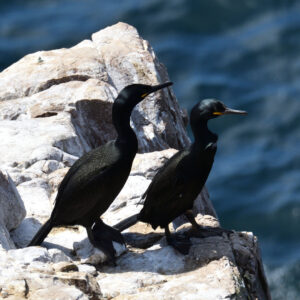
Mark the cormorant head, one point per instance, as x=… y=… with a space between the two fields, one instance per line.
x=132 y=94
x=211 y=108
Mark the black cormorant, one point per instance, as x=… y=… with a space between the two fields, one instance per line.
x=179 y=181
x=95 y=180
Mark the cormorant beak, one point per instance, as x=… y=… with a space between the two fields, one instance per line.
x=155 y=88
x=234 y=112
x=230 y=111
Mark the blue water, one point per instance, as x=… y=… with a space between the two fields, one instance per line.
x=246 y=53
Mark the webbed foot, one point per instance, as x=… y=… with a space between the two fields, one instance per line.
x=102 y=237
x=181 y=243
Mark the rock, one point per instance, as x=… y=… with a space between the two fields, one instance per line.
x=30 y=284
x=208 y=272
x=65 y=267
x=88 y=254
x=32 y=273
x=29 y=254
x=57 y=255
x=52 y=292
x=12 y=210
x=146 y=165
x=85 y=268
x=81 y=91
x=35 y=194
x=5 y=239
x=55 y=106
x=248 y=258
x=23 y=234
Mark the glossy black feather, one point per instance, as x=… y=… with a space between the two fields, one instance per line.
x=91 y=187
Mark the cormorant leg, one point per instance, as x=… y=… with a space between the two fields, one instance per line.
x=108 y=251
x=181 y=244
x=200 y=231
x=102 y=230
x=102 y=237
x=190 y=217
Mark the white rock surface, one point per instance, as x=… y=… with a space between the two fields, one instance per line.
x=55 y=106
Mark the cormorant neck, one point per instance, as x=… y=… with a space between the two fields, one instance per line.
x=203 y=136
x=121 y=120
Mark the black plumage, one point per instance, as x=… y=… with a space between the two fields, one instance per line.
x=95 y=180
x=177 y=184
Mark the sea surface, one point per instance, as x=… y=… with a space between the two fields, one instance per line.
x=246 y=53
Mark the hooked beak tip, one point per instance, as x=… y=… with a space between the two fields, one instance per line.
x=234 y=112
x=161 y=86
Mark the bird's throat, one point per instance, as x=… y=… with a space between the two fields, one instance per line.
x=121 y=121
x=203 y=136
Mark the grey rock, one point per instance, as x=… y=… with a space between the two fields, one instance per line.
x=85 y=268
x=12 y=210
x=35 y=194
x=5 y=239
x=57 y=255
x=45 y=283
x=22 y=235
x=29 y=254
x=53 y=293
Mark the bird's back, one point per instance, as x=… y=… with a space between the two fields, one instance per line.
x=91 y=185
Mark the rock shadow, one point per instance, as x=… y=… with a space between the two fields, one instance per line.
x=68 y=251
x=140 y=240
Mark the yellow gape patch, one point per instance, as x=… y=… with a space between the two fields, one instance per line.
x=144 y=95
x=217 y=113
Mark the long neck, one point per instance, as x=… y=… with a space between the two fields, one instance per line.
x=203 y=136
x=121 y=120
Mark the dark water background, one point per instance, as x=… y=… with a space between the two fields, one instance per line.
x=246 y=53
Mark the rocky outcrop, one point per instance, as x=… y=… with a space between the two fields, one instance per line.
x=55 y=106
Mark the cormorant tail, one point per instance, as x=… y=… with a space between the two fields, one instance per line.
x=130 y=221
x=41 y=234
